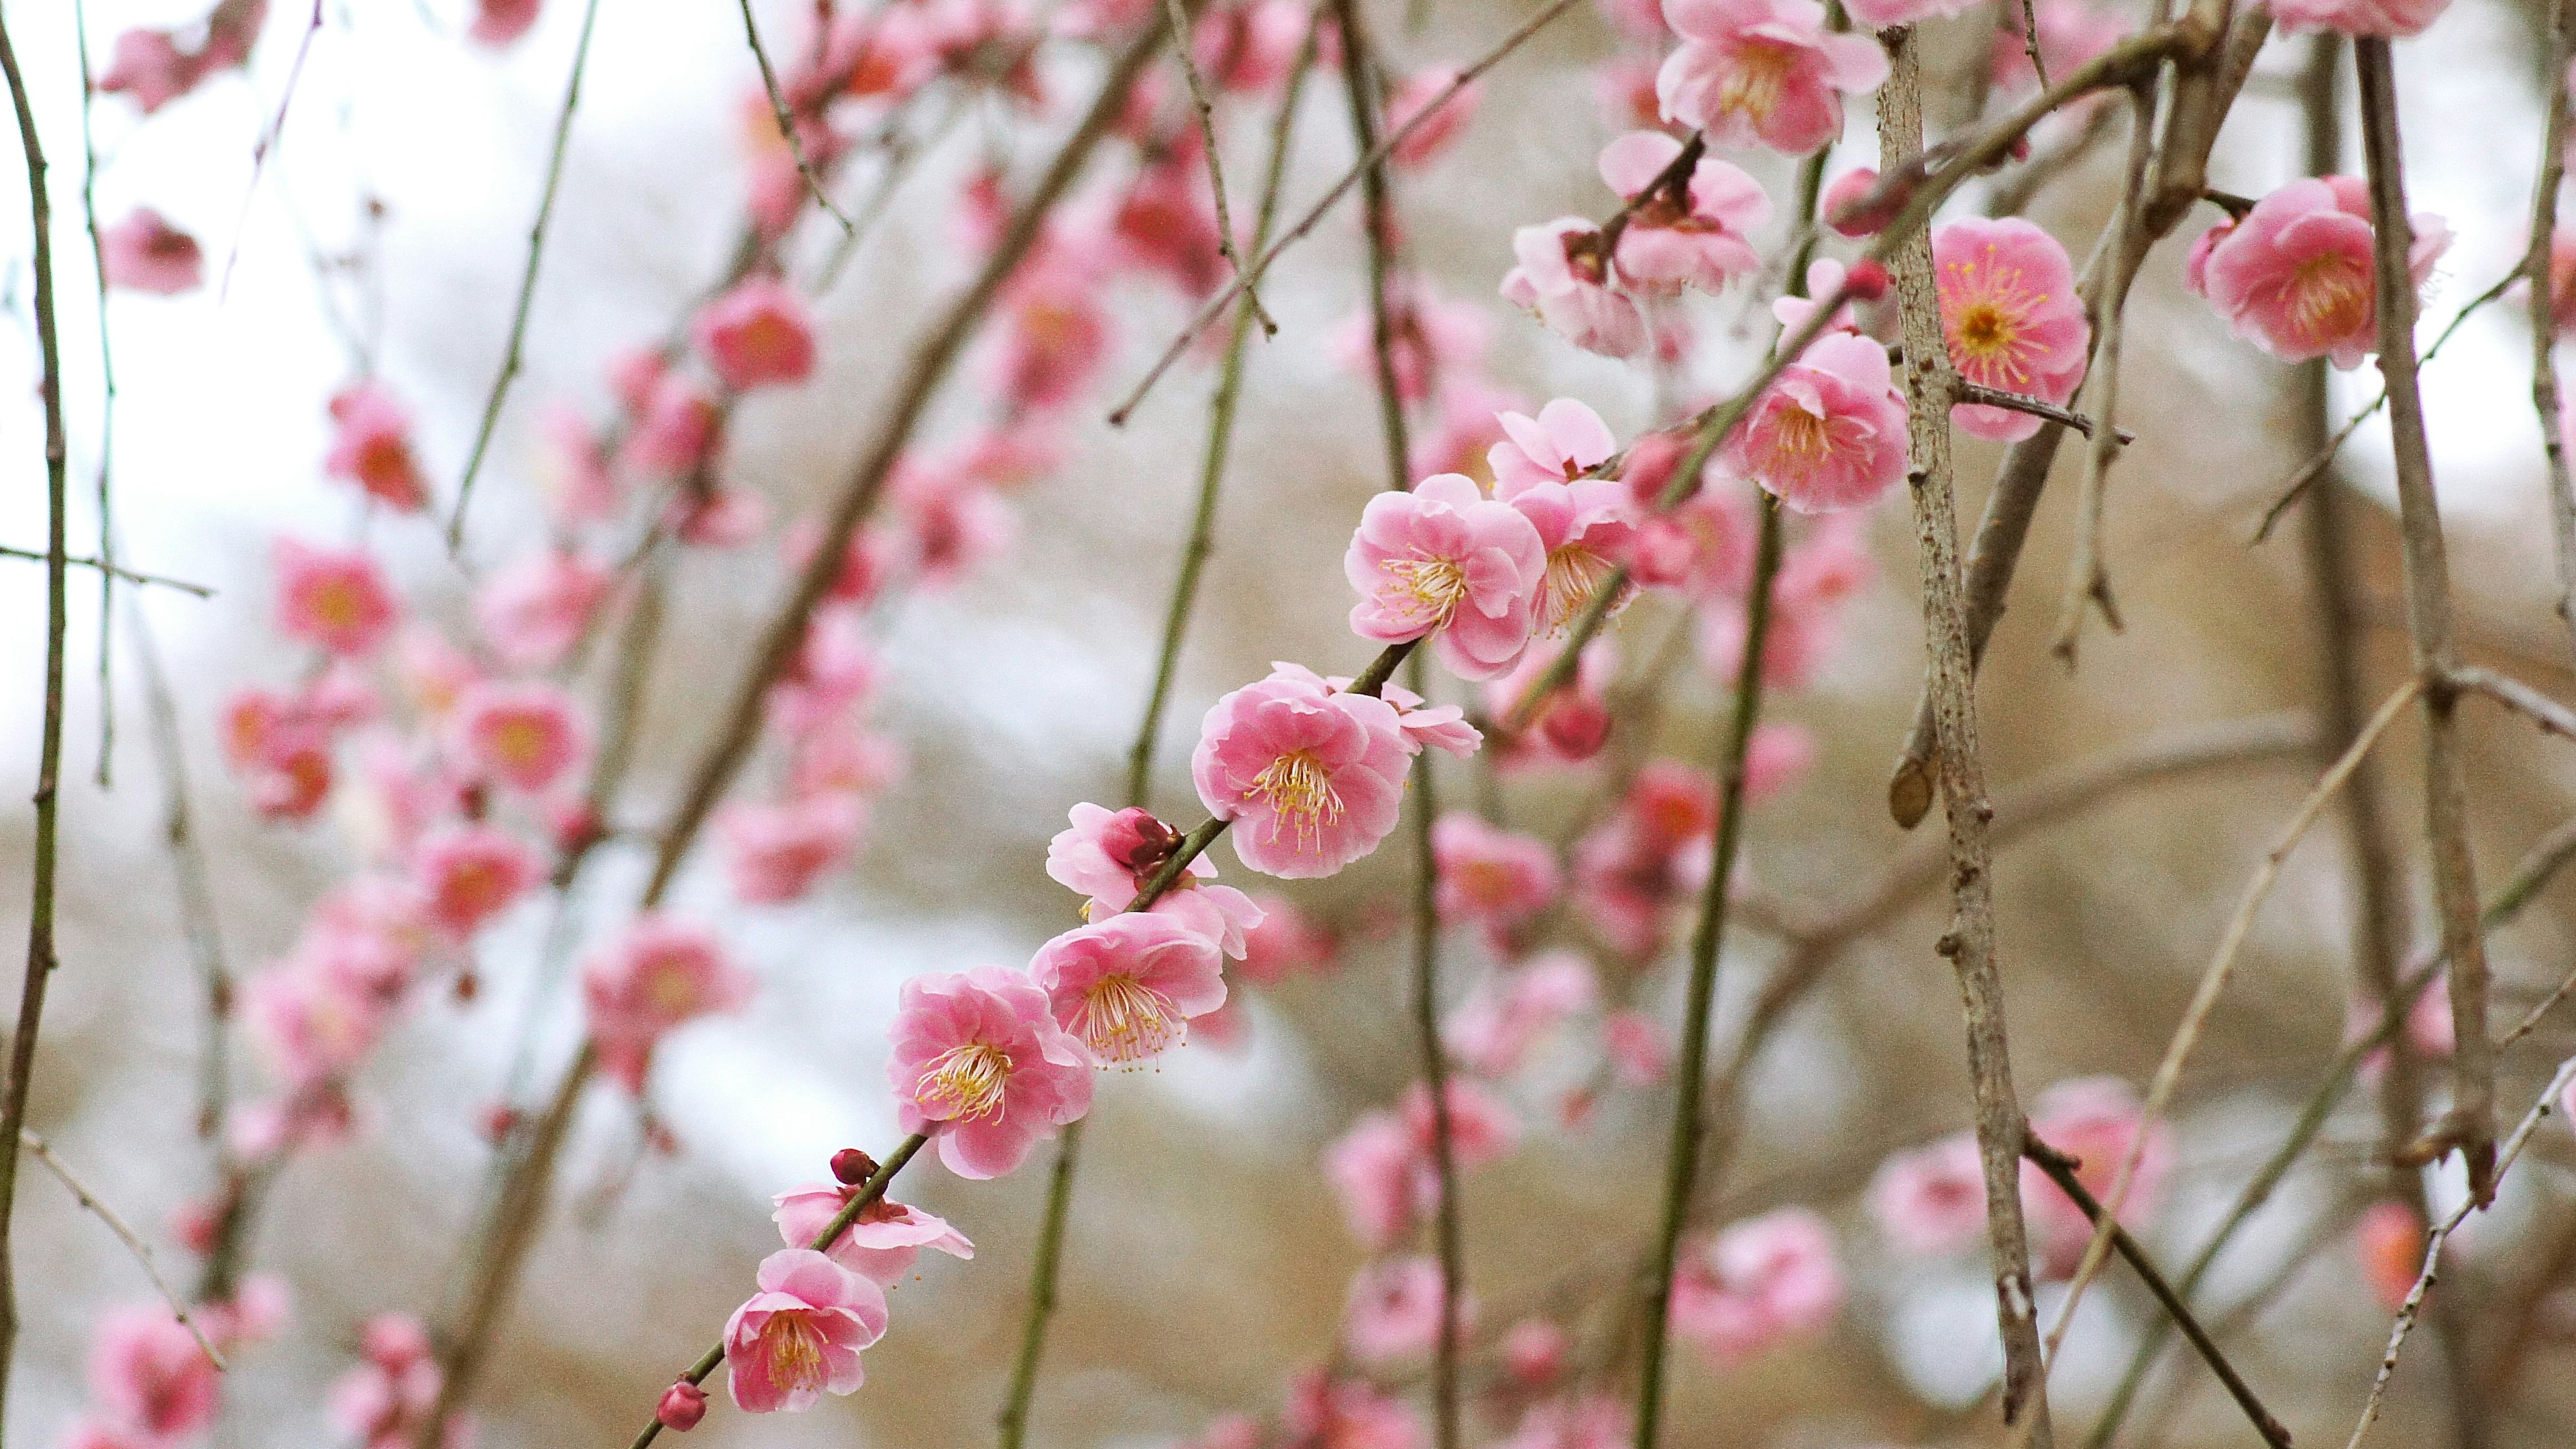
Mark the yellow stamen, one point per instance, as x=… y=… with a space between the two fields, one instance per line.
x=2329 y=297
x=794 y=1350
x=1300 y=794
x=1123 y=1020
x=1574 y=574
x=1436 y=585
x=964 y=1082
x=1986 y=322
x=1761 y=76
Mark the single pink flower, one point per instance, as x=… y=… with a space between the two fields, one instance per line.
x=1763 y=72
x=2295 y=277
x=148 y=1373
x=534 y=609
x=1283 y=943
x=677 y=428
x=979 y=1059
x=385 y=1402
x=1111 y=856
x=1462 y=428
x=1586 y=528
x=1128 y=987
x=1313 y=778
x=334 y=599
x=1323 y=1412
x=1481 y=1128
x=1534 y=1352
x=470 y=874
x=1441 y=128
x=2095 y=1120
x=1445 y=560
x=683 y=1405
x=2011 y=319
x=1563 y=280
x=1051 y=332
x=948 y=523
x=525 y=735
x=1698 y=235
x=799 y=1337
x=757 y=334
x=145 y=253
x=1382 y=1180
x=1565 y=441
x=1490 y=876
x=880 y=1245
x=2379 y=18
x=658 y=975
x=1931 y=1200
x=1248 y=47
x=1829 y=432
x=150 y=66
x=371 y=447
x=1425 y=727
x=313 y=1026
x=1841 y=205
x=2389 y=1240
x=1493 y=1030
x=1393 y=1311
x=1641 y=1053
x=1761 y=1281
x=775 y=852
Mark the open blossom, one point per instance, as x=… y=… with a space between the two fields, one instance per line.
x=1698 y=238
x=2096 y=1120
x=2390 y=1242
x=1585 y=528
x=145 y=253
x=979 y=1059
x=1931 y=1200
x=1495 y=1027
x=2380 y=18
x=799 y=1337
x=371 y=447
x=1565 y=441
x=775 y=852
x=1312 y=777
x=534 y=609
x=1445 y=560
x=677 y=427
x=1763 y=72
x=313 y=1026
x=1394 y=1310
x=386 y=1401
x=1129 y=986
x=1759 y=1282
x=757 y=334
x=657 y=976
x=1111 y=856
x=2010 y=317
x=470 y=874
x=525 y=735
x=1425 y=726
x=1829 y=432
x=334 y=599
x=879 y=1245
x=1491 y=876
x=2295 y=277
x=1563 y=280
x=150 y=1375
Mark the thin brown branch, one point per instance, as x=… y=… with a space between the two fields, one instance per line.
x=2552 y=717
x=788 y=129
x=111 y=570
x=142 y=1253
x=1178 y=16
x=2540 y=279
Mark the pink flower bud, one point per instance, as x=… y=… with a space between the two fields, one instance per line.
x=683 y=1405
x=1867 y=280
x=852 y=1168
x=1577 y=725
x=1843 y=204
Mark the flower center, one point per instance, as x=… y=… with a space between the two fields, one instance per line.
x=1574 y=574
x=1753 y=89
x=964 y=1082
x=794 y=1350
x=1124 y=1020
x=520 y=741
x=2329 y=298
x=339 y=605
x=671 y=990
x=1435 y=586
x=1299 y=791
x=1987 y=323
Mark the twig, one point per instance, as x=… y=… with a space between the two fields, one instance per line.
x=2552 y=717
x=142 y=1253
x=2471 y=1121
x=2536 y=272
x=1179 y=18
x=106 y=769
x=788 y=130
x=40 y=911
x=267 y=142
x=1378 y=221
x=110 y=570
x=1969 y=943
x=1995 y=397
x=513 y=352
x=1045 y=1274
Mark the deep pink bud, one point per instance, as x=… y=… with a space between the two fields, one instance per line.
x=683 y=1405
x=1843 y=204
x=2020 y=148
x=499 y=1121
x=1867 y=281
x=1577 y=725
x=851 y=1167
x=1138 y=841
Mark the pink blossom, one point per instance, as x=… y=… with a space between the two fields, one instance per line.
x=719 y=518
x=334 y=599
x=1493 y=877
x=658 y=975
x=1481 y=1128
x=1640 y=1051
x=1440 y=129
x=1698 y=234
x=950 y=523
x=2294 y=277
x=1381 y=1177
x=499 y=22
x=2389 y=1240
x=1445 y=560
x=1323 y=1412
x=1283 y=943
x=2380 y=18
x=313 y=1026
x=775 y=852
x=2097 y=1121
x=385 y=1402
x=1128 y=987
x=1585 y=528
x=1312 y=778
x=1841 y=205
x=1763 y=72
x=524 y=735
x=537 y=607
x=145 y=253
x=1581 y=1421
x=149 y=1373
x=847 y=761
x=683 y=1405
x=1761 y=1281
x=1461 y=430
x=281 y=751
x=1931 y=1200
x=1441 y=727
x=979 y=1059
x=1248 y=47
x=799 y=1337
x=757 y=334
x=1166 y=223
x=1884 y=14
x=371 y=447
x=470 y=874
x=1565 y=441
x=1051 y=332
x=150 y=66
x=1112 y=857
x=1492 y=1031
x=1825 y=279
x=677 y=428
x=880 y=1245
x=2071 y=33
x=1534 y=1352
x=1829 y=432
x=1563 y=280
x=834 y=673
x=2011 y=319
x=1393 y=1311
x=1430 y=341
x=432 y=672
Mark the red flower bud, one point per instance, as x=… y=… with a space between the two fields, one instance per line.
x=683 y=1405
x=1867 y=281
x=1577 y=725
x=851 y=1167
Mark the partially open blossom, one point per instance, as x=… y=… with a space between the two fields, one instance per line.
x=1842 y=204
x=799 y=1337
x=2295 y=276
x=2385 y=19
x=470 y=874
x=1584 y=528
x=1758 y=1283
x=149 y=1373
x=1127 y=987
x=1563 y=280
x=371 y=447
x=535 y=608
x=1439 y=129
x=2389 y=1240
x=1931 y=1200
x=1426 y=726
x=1565 y=441
x=524 y=735
x=979 y=1060
x=1393 y=1311
x=1763 y=72
x=1111 y=856
x=757 y=334
x=658 y=975
x=145 y=253
x=1829 y=432
x=683 y=1405
x=1490 y=876
x=334 y=599
x=775 y=852
x=1697 y=234
x=2011 y=318
x=1481 y=1128
x=1312 y=777
x=880 y=1245
x=1445 y=560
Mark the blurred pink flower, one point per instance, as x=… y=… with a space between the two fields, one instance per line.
x=1481 y=1128
x=1493 y=1030
x=1763 y=72
x=1311 y=777
x=334 y=599
x=2071 y=33
x=385 y=1402
x=775 y=851
x=677 y=428
x=1760 y=1282
x=1128 y=986
x=150 y=1376
x=1431 y=343
x=1640 y=1051
x=1283 y=943
x=1563 y=280
x=1931 y=1200
x=534 y=609
x=524 y=735
x=1323 y=1412
x=1381 y=1178
x=1441 y=128
x=499 y=22
x=469 y=874
x=1492 y=877
x=2379 y=18
x=658 y=975
x=1393 y=1311
x=2389 y=1240
x=2096 y=1120
x=145 y=253
x=1534 y=1352
x=799 y=1337
x=371 y=447
x=979 y=1060
x=1582 y=1421
x=757 y=334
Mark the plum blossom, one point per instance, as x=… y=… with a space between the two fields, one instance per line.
x=1565 y=441
x=525 y=735
x=1111 y=856
x=1430 y=340
x=757 y=334
x=1440 y=129
x=1326 y=1412
x=499 y=22
x=1763 y=72
x=1129 y=986
x=1491 y=876
x=657 y=976
x=775 y=852
x=880 y=1244
x=2389 y=1240
x=1697 y=234
x=371 y=447
x=980 y=1061
x=1311 y=776
x=2295 y=278
x=1534 y=1352
x=682 y=1405
x=1884 y=14
x=2097 y=1121
x=151 y=1376
x=334 y=599
x=1444 y=560
x=1585 y=528
x=1842 y=205
x=2385 y=19
x=145 y=253
x=1495 y=1027
x=1759 y=1282
x=2010 y=317
x=1931 y=1200
x=1641 y=1051
x=386 y=1401
x=1394 y=1310
x=1481 y=1128
x=2071 y=33
x=1581 y=1421
x=799 y=1337
x=470 y=874
x=1829 y=432
x=1563 y=280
